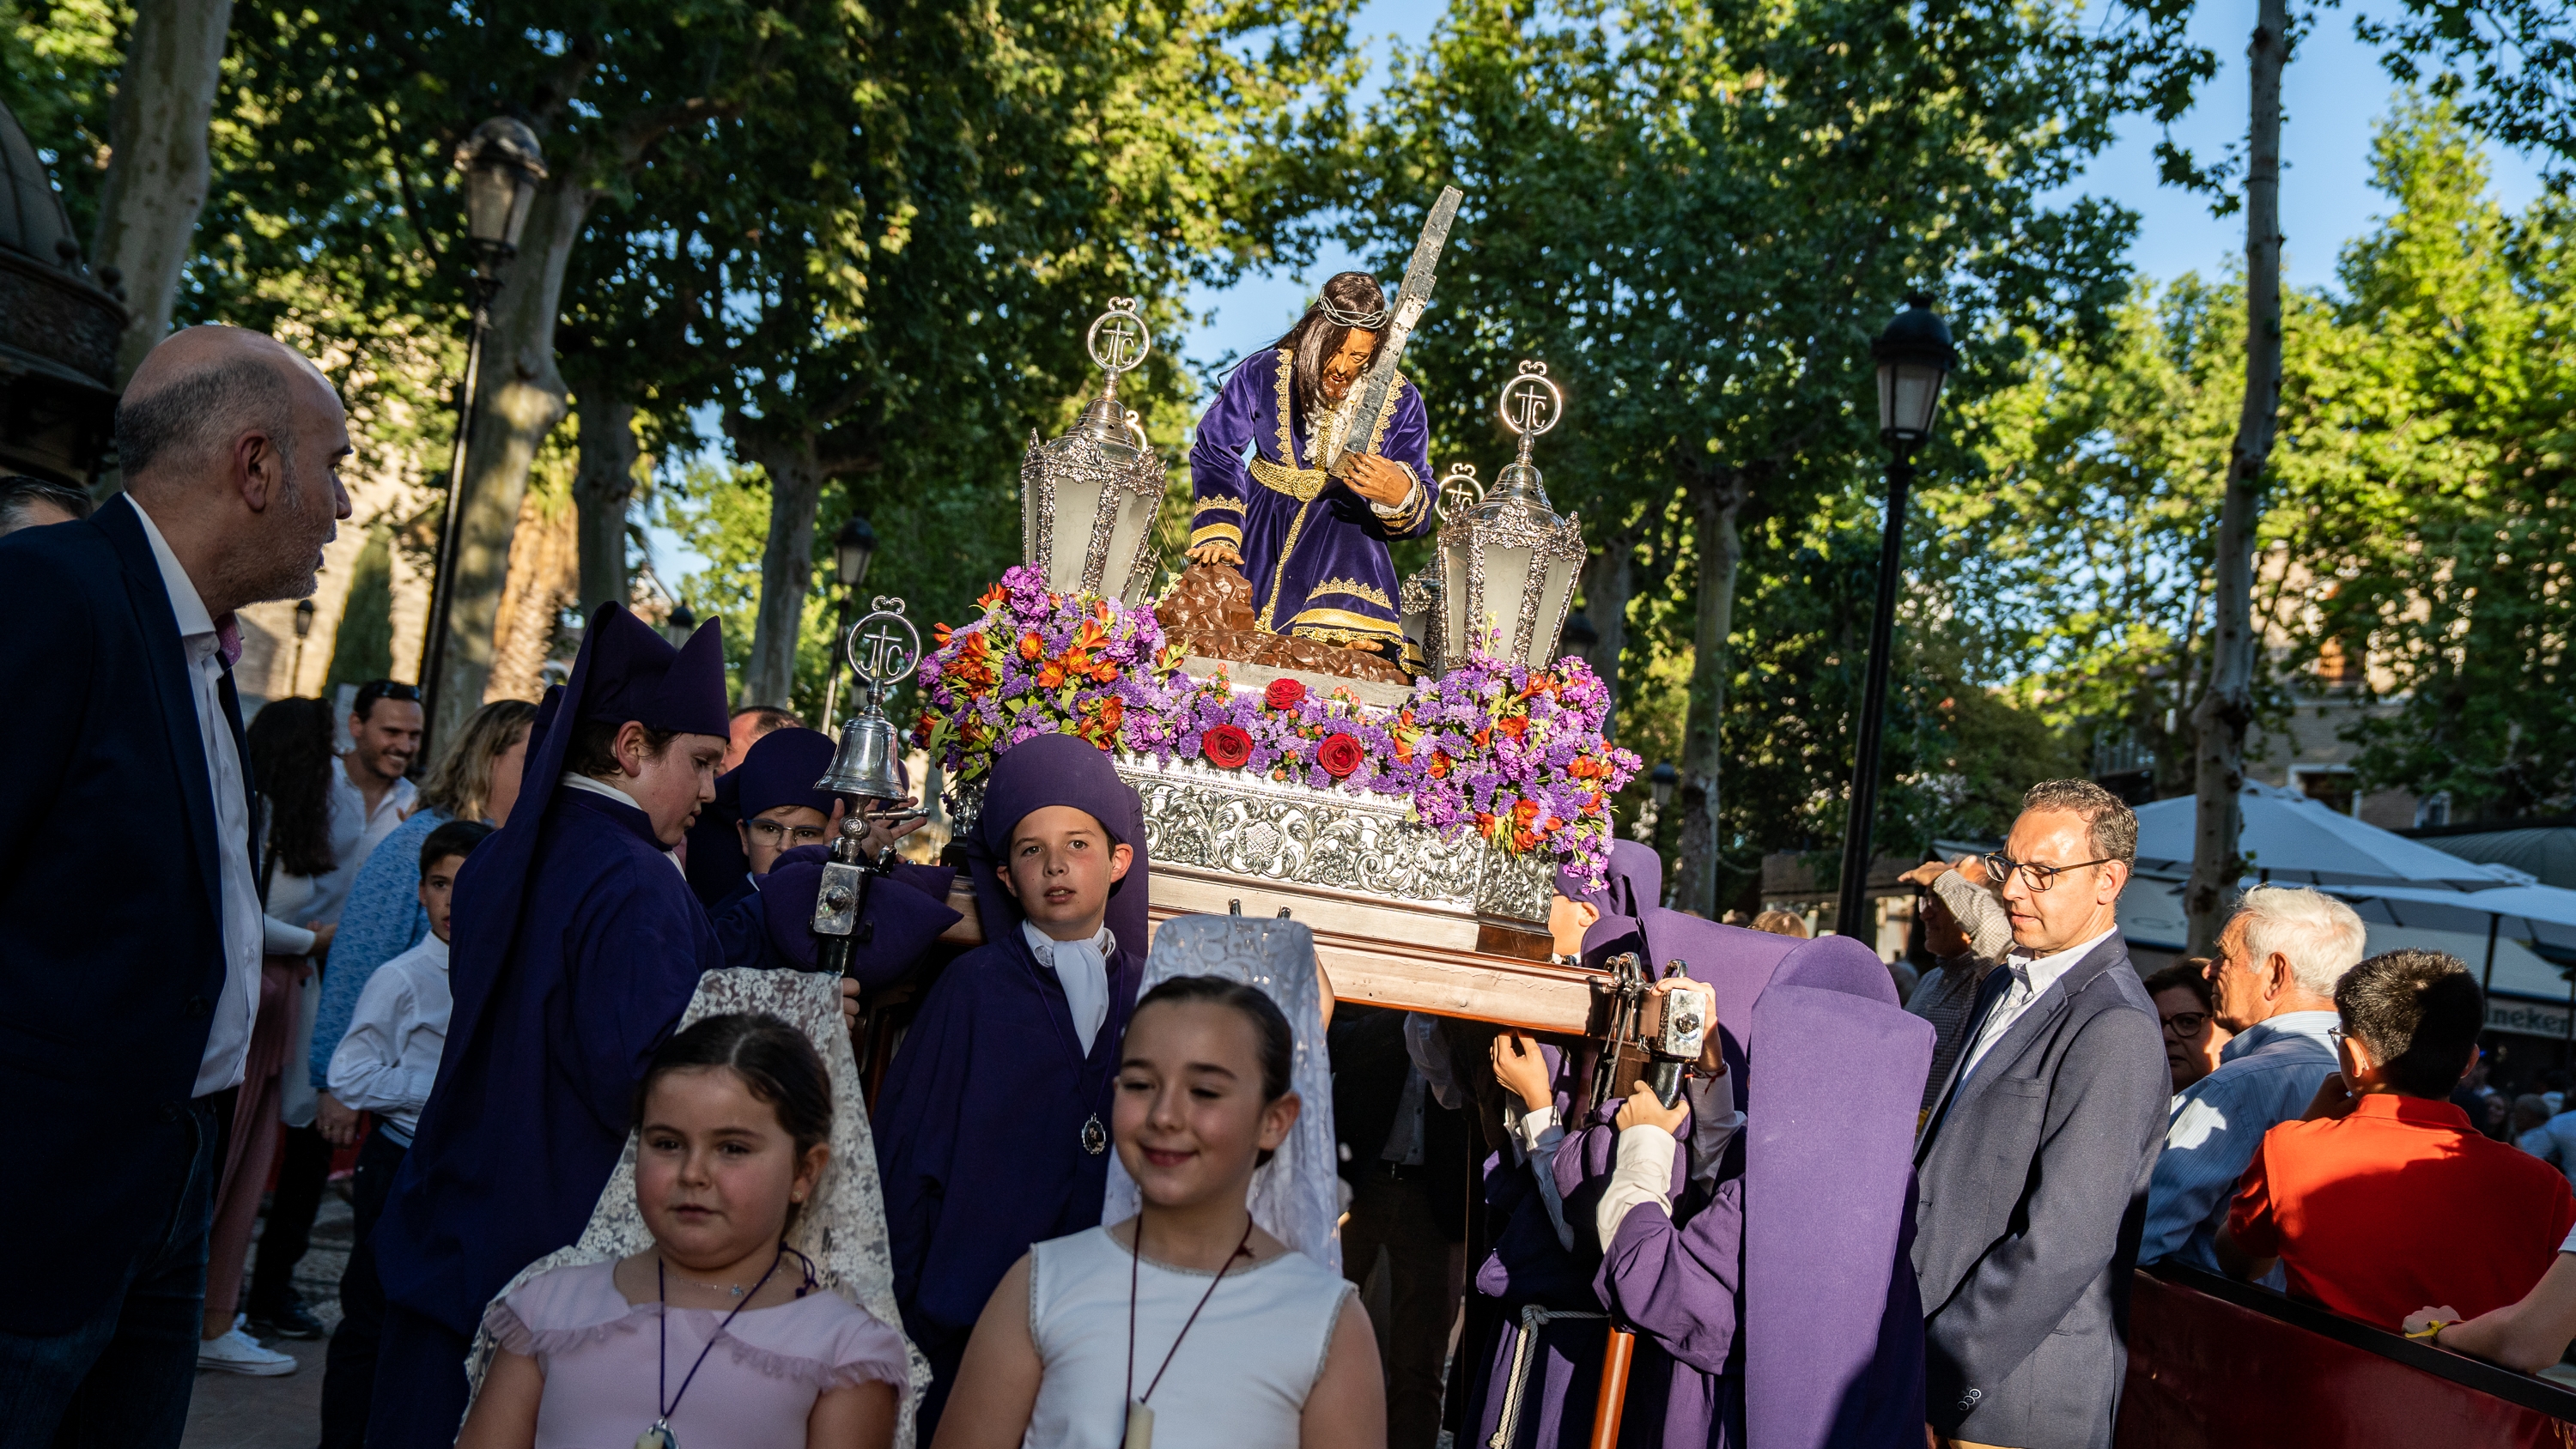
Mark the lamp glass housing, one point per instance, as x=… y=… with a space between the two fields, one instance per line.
x=1662 y=782
x=303 y=617
x=852 y=549
x=1089 y=499
x=1914 y=358
x=502 y=165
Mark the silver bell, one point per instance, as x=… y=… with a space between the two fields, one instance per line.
x=869 y=763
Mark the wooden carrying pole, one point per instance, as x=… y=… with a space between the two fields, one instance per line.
x=1615 y=1354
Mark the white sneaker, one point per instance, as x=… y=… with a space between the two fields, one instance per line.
x=239 y=1353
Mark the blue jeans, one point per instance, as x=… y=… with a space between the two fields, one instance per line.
x=122 y=1379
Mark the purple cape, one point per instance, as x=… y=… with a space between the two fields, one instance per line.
x=1779 y=1309
x=576 y=948
x=1314 y=551
x=979 y=1126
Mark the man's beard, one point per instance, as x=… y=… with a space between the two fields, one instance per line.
x=287 y=564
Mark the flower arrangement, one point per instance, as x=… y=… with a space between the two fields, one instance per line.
x=1512 y=752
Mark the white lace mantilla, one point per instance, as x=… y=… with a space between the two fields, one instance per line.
x=1294 y=1196
x=843 y=1230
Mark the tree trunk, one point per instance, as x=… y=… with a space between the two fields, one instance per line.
x=157 y=171
x=1714 y=501
x=522 y=401
x=2226 y=710
x=601 y=488
x=1609 y=579
x=796 y=475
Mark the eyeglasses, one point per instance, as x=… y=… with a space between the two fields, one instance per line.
x=2337 y=1035
x=2033 y=875
x=2184 y=1025
x=786 y=836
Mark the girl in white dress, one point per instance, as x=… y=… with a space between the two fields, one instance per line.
x=1186 y=1326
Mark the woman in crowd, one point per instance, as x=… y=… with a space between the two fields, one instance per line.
x=1187 y=1324
x=733 y=1132
x=477 y=779
x=290 y=749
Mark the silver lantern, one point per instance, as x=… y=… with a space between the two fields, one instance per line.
x=883 y=649
x=1088 y=499
x=1418 y=599
x=1507 y=565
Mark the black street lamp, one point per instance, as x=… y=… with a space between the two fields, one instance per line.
x=1914 y=356
x=852 y=548
x=502 y=167
x=303 y=627
x=680 y=625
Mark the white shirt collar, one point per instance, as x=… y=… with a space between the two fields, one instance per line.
x=1101 y=944
x=187 y=607
x=2041 y=972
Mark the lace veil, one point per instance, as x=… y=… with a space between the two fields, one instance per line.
x=1294 y=1195
x=843 y=1230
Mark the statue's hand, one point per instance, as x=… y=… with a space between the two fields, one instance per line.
x=1216 y=552
x=1379 y=481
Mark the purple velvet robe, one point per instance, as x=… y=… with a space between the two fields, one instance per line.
x=979 y=1127
x=1777 y=1308
x=1314 y=551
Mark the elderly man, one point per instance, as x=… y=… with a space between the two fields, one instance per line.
x=2033 y=1163
x=2273 y=986
x=127 y=985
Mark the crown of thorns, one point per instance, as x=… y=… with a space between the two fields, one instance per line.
x=1348 y=317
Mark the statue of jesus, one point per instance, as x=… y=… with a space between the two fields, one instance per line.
x=1313 y=544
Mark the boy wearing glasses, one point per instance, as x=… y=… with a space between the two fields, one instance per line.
x=2273 y=985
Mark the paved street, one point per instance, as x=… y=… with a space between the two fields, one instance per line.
x=233 y=1412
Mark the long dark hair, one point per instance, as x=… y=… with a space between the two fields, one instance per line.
x=1317 y=336
x=774 y=1060
x=290 y=758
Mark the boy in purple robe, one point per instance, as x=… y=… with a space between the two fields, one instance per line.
x=992 y=1129
x=784 y=828
x=1312 y=545
x=1760 y=1247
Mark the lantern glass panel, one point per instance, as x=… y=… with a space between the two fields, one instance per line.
x=1077 y=503
x=523 y=196
x=1553 y=592
x=491 y=198
x=1908 y=392
x=1453 y=604
x=1127 y=540
x=1507 y=572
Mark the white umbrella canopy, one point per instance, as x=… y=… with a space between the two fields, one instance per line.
x=2290 y=838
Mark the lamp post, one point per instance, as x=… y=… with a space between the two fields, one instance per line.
x=1659 y=786
x=502 y=167
x=303 y=627
x=852 y=548
x=1914 y=355
x=680 y=625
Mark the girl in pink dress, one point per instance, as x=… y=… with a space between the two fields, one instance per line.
x=717 y=1335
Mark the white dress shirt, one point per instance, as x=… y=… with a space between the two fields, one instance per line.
x=387 y=1062
x=1083 y=967
x=2031 y=978
x=228 y=1031
x=355 y=834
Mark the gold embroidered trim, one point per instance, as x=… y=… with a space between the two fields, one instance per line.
x=1230 y=505
x=1353 y=587
x=1218 y=533
x=1342 y=619
x=1301 y=484
x=1386 y=415
x=1345 y=636
x=1287 y=446
x=1287 y=546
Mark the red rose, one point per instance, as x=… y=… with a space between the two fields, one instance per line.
x=1284 y=694
x=1339 y=755
x=1226 y=746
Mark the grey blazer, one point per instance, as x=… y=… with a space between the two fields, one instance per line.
x=2033 y=1192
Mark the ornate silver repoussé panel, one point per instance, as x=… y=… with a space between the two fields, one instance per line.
x=1276 y=834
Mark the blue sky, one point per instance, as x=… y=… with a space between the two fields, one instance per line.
x=2335 y=93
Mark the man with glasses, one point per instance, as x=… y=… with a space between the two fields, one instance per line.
x=2273 y=986
x=2032 y=1166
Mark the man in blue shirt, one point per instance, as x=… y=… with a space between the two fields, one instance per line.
x=2274 y=981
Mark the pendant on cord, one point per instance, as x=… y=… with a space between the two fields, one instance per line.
x=1095 y=1138
x=657 y=1437
x=1140 y=1428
